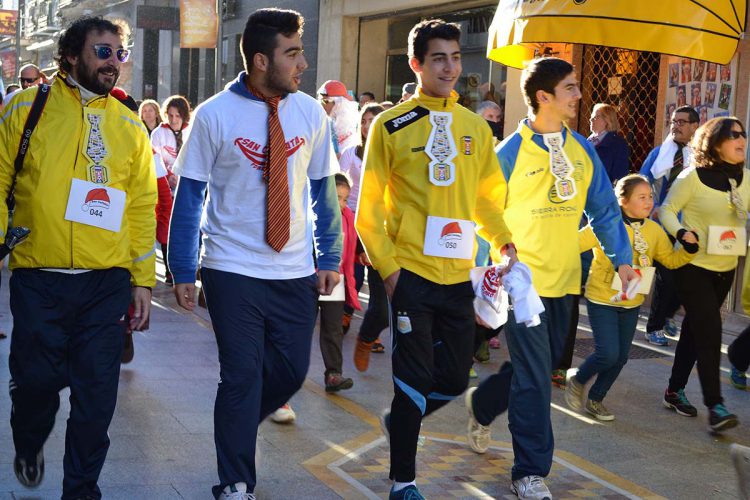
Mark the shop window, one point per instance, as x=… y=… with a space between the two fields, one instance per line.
x=628 y=80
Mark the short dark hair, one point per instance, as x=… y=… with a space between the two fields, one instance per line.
x=74 y=37
x=421 y=34
x=179 y=102
x=261 y=29
x=368 y=94
x=543 y=73
x=692 y=113
x=710 y=136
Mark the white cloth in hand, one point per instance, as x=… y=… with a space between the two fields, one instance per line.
x=527 y=306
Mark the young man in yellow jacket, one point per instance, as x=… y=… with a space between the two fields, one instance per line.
x=429 y=177
x=87 y=191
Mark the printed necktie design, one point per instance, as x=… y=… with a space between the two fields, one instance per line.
x=640 y=245
x=441 y=149
x=560 y=166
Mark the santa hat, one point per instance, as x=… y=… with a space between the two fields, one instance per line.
x=98 y=194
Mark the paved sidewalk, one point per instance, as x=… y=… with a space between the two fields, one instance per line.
x=162 y=442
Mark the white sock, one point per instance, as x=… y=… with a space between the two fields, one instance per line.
x=400 y=486
x=241 y=487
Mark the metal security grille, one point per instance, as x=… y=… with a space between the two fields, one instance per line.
x=628 y=80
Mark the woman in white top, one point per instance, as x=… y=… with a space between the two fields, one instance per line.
x=167 y=139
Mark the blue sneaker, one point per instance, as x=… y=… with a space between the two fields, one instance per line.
x=738 y=378
x=657 y=338
x=719 y=418
x=409 y=493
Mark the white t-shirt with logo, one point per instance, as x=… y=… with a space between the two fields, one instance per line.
x=225 y=148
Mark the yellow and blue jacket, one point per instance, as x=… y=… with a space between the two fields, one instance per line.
x=396 y=195
x=544 y=226
x=59 y=152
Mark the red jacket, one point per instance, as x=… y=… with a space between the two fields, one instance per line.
x=163 y=210
x=348 y=255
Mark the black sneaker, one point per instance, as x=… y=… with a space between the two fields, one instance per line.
x=29 y=472
x=719 y=418
x=678 y=402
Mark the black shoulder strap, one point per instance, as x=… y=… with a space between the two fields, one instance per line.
x=40 y=100
x=36 y=112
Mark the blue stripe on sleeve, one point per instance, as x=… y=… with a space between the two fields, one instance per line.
x=604 y=212
x=328 y=233
x=507 y=153
x=184 y=229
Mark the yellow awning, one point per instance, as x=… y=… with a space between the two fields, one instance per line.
x=698 y=29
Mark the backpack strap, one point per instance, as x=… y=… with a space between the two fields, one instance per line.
x=40 y=100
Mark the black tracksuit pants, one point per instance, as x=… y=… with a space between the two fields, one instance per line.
x=66 y=332
x=433 y=340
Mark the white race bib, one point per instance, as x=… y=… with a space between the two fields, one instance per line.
x=644 y=287
x=726 y=240
x=449 y=238
x=95 y=205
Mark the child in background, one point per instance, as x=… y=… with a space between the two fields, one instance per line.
x=332 y=306
x=613 y=324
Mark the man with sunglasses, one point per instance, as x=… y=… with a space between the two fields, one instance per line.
x=87 y=191
x=662 y=166
x=29 y=76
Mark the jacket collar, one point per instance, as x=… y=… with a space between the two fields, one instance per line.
x=436 y=103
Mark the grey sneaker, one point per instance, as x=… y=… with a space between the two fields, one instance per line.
x=477 y=435
x=598 y=411
x=573 y=391
x=741 y=458
x=532 y=487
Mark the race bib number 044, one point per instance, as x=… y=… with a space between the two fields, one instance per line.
x=95 y=205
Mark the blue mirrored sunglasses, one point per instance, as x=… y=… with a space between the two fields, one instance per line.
x=104 y=52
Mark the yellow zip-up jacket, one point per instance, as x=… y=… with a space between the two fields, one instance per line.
x=397 y=195
x=602 y=272
x=59 y=151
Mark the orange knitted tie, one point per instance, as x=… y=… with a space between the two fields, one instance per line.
x=277 y=197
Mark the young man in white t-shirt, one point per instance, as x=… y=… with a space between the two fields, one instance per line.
x=261 y=293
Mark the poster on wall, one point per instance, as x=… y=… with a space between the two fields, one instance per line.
x=708 y=87
x=198 y=24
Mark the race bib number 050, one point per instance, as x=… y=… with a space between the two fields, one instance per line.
x=95 y=205
x=450 y=238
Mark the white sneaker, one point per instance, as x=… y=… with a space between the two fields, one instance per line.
x=532 y=487
x=477 y=435
x=284 y=415
x=741 y=458
x=236 y=491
